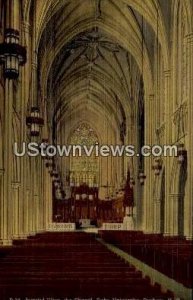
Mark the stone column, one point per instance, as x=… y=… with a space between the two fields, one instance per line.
x=174 y=202
x=6 y=205
x=157 y=215
x=35 y=197
x=1 y=205
x=48 y=199
x=148 y=185
x=12 y=20
x=47 y=182
x=37 y=209
x=34 y=160
x=25 y=92
x=167 y=140
x=42 y=196
x=188 y=205
x=44 y=189
x=37 y=192
x=16 y=209
x=30 y=204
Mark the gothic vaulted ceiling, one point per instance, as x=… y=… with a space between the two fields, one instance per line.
x=90 y=60
x=92 y=55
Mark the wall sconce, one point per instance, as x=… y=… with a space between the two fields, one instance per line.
x=12 y=54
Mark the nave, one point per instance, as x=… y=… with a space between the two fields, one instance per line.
x=71 y=264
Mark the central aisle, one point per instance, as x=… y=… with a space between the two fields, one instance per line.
x=75 y=264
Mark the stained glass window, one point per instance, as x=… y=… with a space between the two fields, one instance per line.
x=84 y=169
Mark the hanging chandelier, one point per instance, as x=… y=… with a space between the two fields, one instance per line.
x=131 y=182
x=34 y=122
x=142 y=177
x=157 y=166
x=56 y=182
x=54 y=174
x=181 y=153
x=49 y=163
x=12 y=54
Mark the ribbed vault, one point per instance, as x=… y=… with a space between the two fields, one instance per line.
x=92 y=56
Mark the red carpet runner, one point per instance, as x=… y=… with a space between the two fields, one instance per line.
x=71 y=265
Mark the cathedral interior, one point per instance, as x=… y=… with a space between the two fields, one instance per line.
x=96 y=72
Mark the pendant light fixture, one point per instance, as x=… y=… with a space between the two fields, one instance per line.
x=54 y=174
x=34 y=122
x=12 y=54
x=157 y=166
x=132 y=180
x=182 y=153
x=142 y=177
x=48 y=162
